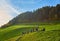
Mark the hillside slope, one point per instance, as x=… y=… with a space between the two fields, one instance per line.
x=44 y=14
x=47 y=18
x=42 y=36
x=47 y=13
x=14 y=32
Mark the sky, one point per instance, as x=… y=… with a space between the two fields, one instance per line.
x=11 y=8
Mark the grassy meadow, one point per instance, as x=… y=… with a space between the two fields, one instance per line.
x=13 y=33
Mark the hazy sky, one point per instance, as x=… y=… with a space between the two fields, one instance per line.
x=11 y=8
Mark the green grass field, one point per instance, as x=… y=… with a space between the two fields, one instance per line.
x=12 y=33
x=42 y=36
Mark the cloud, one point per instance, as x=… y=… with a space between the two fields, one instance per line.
x=5 y=12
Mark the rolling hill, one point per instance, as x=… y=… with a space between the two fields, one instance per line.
x=42 y=24
x=44 y=14
x=42 y=36
x=14 y=32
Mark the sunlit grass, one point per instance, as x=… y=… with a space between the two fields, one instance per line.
x=13 y=32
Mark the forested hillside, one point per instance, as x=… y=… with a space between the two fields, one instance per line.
x=42 y=24
x=44 y=14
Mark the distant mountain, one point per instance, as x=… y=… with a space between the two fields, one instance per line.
x=44 y=14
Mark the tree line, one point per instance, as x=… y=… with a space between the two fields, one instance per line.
x=47 y=13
